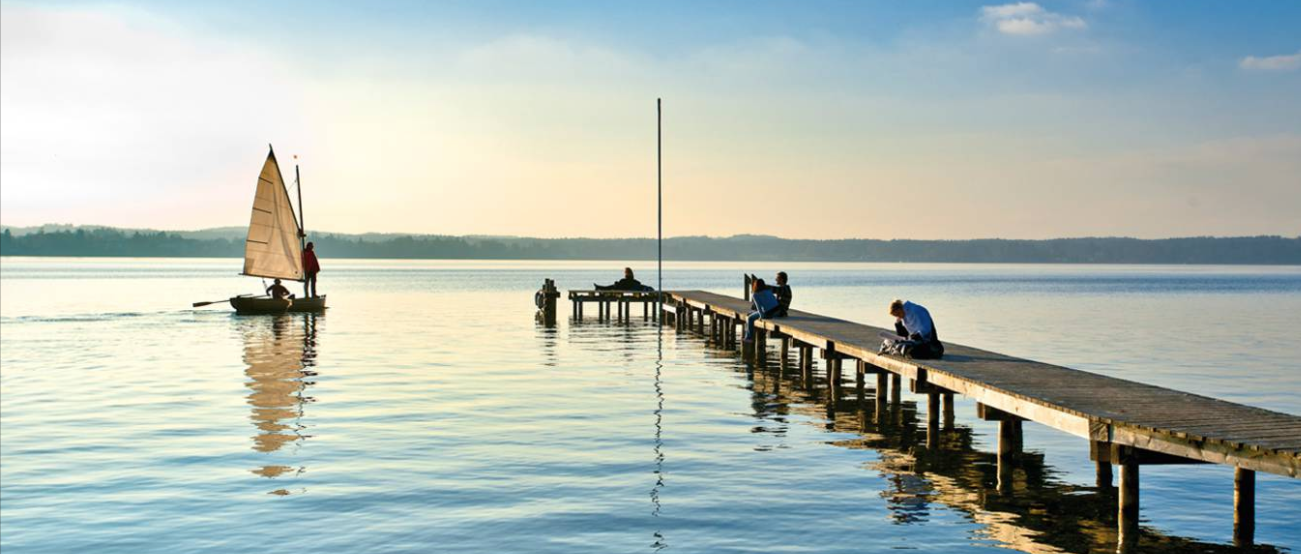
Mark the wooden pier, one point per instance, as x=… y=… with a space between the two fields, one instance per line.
x=620 y=301
x=1127 y=424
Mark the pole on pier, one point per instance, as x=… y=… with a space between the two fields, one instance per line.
x=659 y=206
x=547 y=302
x=1244 y=507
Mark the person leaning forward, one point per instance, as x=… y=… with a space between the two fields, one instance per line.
x=913 y=321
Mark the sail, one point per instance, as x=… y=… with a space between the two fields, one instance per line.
x=272 y=248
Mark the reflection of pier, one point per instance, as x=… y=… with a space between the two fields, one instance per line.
x=935 y=463
x=279 y=352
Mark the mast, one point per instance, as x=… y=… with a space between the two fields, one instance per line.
x=302 y=219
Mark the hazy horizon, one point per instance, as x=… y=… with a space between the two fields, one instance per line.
x=1022 y=120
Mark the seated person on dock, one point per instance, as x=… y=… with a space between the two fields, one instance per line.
x=783 y=292
x=765 y=306
x=627 y=283
x=913 y=322
x=278 y=291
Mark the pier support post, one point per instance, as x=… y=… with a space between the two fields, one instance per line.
x=1009 y=444
x=1104 y=477
x=1128 y=513
x=882 y=389
x=933 y=420
x=947 y=398
x=1244 y=507
x=786 y=352
x=860 y=381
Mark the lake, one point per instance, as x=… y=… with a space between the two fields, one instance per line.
x=427 y=411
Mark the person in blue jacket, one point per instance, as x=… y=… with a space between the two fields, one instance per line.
x=765 y=306
x=913 y=321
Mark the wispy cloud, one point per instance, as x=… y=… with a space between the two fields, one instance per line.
x=1283 y=62
x=1028 y=18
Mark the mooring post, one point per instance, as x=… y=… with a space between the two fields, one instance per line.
x=1127 y=521
x=1244 y=507
x=547 y=298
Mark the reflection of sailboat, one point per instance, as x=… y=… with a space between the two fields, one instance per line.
x=274 y=247
x=279 y=353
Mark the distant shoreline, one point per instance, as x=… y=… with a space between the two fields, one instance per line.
x=102 y=242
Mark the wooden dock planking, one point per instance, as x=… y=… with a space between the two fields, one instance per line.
x=1089 y=405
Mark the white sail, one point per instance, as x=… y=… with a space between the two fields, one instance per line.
x=272 y=248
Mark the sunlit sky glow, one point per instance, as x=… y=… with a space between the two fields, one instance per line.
x=803 y=120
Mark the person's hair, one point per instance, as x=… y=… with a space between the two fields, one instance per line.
x=781 y=276
x=627 y=271
x=311 y=245
x=896 y=307
x=277 y=281
x=757 y=284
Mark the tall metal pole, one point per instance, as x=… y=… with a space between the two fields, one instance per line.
x=659 y=204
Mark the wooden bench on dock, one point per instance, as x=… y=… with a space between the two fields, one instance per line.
x=1127 y=423
x=620 y=300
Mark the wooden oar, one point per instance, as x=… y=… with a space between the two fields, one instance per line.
x=201 y=304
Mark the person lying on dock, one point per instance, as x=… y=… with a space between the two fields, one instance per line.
x=783 y=292
x=913 y=322
x=765 y=306
x=278 y=291
x=627 y=283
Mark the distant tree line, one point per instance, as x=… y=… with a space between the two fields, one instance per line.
x=1192 y=250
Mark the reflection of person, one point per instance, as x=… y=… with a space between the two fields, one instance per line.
x=310 y=268
x=627 y=283
x=783 y=292
x=765 y=306
x=914 y=322
x=278 y=291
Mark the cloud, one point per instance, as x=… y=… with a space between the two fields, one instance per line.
x=1283 y=62
x=1027 y=18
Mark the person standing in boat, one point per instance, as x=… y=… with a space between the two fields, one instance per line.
x=310 y=268
x=913 y=321
x=278 y=291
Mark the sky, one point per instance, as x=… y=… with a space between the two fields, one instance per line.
x=925 y=120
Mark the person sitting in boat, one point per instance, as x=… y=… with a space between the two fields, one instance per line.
x=765 y=306
x=278 y=291
x=913 y=322
x=627 y=283
x=783 y=292
x=310 y=268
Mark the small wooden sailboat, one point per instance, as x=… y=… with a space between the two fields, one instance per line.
x=274 y=247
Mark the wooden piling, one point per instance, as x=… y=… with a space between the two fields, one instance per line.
x=1244 y=507
x=933 y=420
x=1127 y=520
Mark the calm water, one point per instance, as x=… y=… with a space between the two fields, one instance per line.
x=427 y=412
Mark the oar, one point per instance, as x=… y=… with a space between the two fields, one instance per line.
x=211 y=302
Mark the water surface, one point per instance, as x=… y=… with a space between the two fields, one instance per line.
x=426 y=411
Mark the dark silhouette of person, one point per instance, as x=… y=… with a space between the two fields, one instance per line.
x=278 y=291
x=627 y=283
x=310 y=268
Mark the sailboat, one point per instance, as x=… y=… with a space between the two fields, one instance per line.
x=274 y=247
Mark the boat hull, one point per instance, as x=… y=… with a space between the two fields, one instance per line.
x=260 y=305
x=316 y=304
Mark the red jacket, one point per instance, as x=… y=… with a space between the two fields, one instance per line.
x=310 y=265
